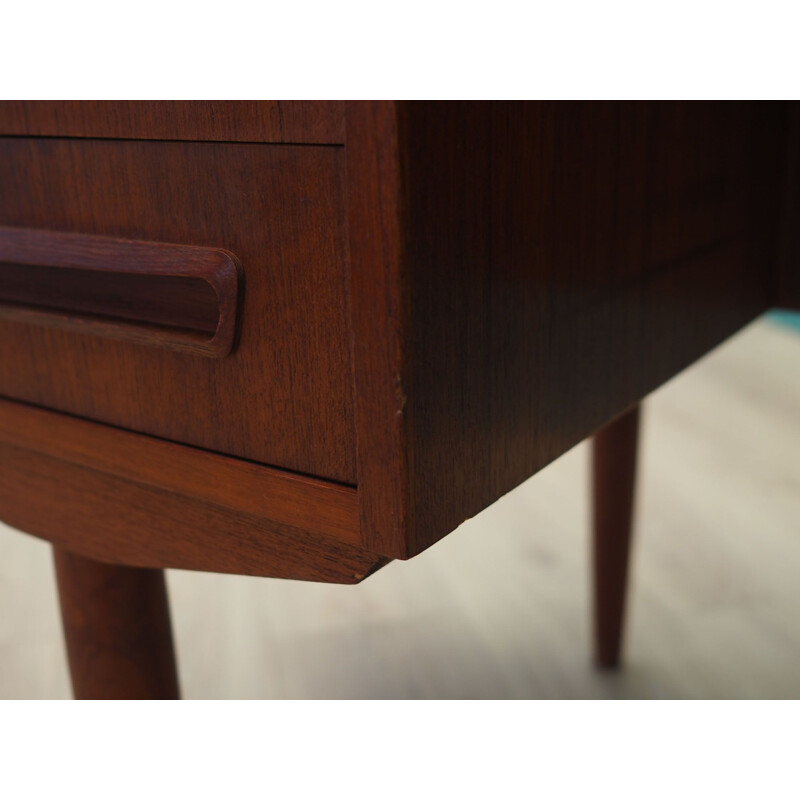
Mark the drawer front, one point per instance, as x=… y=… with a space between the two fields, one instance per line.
x=283 y=396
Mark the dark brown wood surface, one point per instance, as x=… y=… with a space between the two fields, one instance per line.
x=518 y=275
x=173 y=296
x=326 y=509
x=284 y=396
x=279 y=121
x=556 y=262
x=110 y=519
x=378 y=322
x=614 y=455
x=788 y=279
x=117 y=630
x=120 y=497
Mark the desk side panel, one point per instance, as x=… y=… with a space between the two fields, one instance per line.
x=562 y=261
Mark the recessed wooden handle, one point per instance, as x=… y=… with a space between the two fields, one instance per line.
x=163 y=295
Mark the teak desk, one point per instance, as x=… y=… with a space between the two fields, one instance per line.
x=300 y=339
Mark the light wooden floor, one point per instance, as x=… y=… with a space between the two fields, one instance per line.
x=499 y=609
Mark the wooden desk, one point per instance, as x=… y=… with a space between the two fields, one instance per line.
x=300 y=339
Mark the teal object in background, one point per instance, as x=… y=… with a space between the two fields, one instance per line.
x=789 y=319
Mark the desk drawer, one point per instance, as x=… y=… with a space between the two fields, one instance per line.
x=283 y=394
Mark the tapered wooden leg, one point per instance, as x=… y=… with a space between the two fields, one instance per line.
x=117 y=629
x=614 y=475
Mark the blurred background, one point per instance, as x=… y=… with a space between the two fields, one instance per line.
x=500 y=608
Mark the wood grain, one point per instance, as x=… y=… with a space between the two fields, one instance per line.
x=379 y=322
x=284 y=396
x=173 y=296
x=116 y=521
x=278 y=121
x=325 y=509
x=519 y=275
x=556 y=263
x=117 y=630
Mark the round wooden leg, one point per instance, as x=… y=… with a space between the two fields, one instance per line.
x=614 y=474
x=117 y=629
